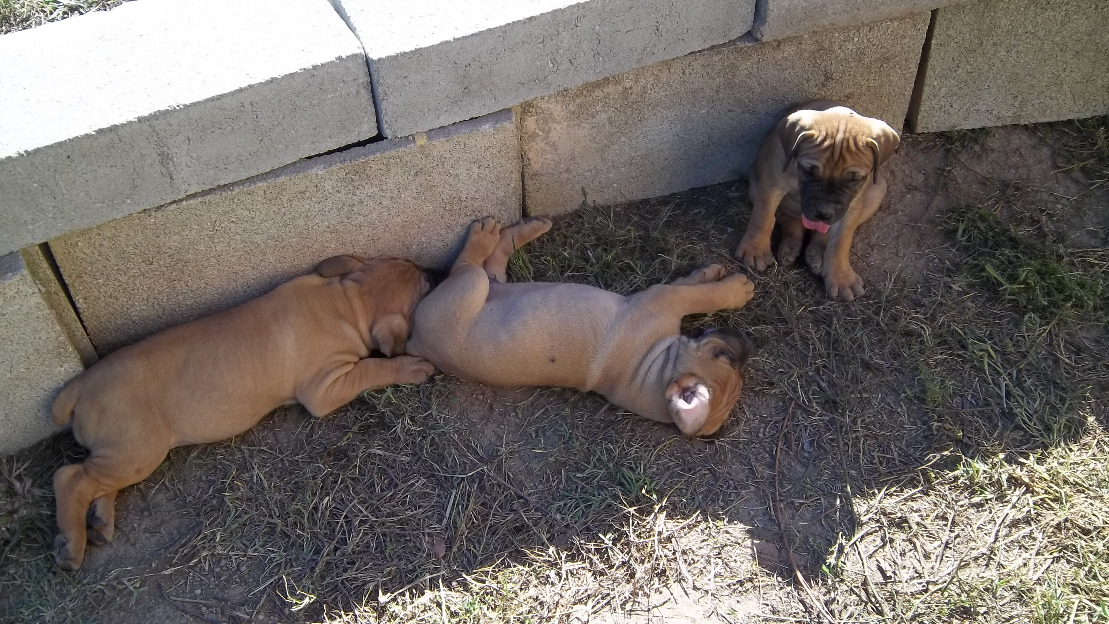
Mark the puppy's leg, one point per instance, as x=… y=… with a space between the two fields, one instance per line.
x=481 y=241
x=840 y=280
x=685 y=297
x=72 y=498
x=76 y=487
x=793 y=235
x=754 y=247
x=513 y=238
x=341 y=387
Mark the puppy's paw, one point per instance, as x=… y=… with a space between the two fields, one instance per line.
x=846 y=285
x=755 y=255
x=484 y=226
x=788 y=250
x=531 y=227
x=65 y=556
x=100 y=530
x=483 y=237
x=814 y=257
x=704 y=275
x=740 y=290
x=412 y=369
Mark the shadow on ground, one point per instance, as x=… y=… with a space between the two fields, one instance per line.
x=496 y=504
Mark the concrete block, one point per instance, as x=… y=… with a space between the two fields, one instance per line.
x=36 y=355
x=699 y=120
x=777 y=19
x=435 y=63
x=408 y=197
x=113 y=112
x=1014 y=62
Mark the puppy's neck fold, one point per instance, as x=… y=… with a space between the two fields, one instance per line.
x=643 y=389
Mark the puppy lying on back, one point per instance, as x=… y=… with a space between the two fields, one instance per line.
x=308 y=340
x=629 y=349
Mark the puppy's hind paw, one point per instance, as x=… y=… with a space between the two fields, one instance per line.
x=100 y=530
x=64 y=555
x=485 y=226
x=481 y=241
x=814 y=257
x=531 y=227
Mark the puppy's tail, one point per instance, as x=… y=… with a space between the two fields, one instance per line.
x=62 y=409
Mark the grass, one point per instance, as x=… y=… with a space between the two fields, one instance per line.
x=1086 y=143
x=934 y=453
x=18 y=15
x=1037 y=278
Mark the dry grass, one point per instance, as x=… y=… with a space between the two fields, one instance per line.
x=934 y=453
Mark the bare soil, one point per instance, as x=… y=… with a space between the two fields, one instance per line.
x=877 y=467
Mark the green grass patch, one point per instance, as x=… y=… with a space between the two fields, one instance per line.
x=1035 y=276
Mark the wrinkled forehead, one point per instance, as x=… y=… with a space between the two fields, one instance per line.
x=838 y=141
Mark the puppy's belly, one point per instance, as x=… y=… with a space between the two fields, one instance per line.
x=525 y=335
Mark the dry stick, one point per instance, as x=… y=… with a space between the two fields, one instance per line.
x=782 y=526
x=173 y=603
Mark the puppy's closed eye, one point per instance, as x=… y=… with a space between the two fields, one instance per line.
x=724 y=355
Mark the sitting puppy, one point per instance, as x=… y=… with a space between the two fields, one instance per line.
x=308 y=340
x=817 y=170
x=629 y=349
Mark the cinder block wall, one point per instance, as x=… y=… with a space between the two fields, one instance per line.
x=164 y=160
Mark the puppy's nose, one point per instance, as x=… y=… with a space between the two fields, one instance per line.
x=825 y=213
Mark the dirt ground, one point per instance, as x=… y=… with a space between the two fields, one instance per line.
x=934 y=452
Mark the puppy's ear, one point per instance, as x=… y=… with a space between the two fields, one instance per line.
x=733 y=344
x=389 y=334
x=338 y=265
x=883 y=144
x=797 y=128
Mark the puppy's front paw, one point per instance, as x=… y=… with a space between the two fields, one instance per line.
x=704 y=275
x=845 y=284
x=755 y=255
x=412 y=369
x=740 y=290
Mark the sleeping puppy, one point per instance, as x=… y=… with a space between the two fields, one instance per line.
x=308 y=340
x=476 y=326
x=817 y=170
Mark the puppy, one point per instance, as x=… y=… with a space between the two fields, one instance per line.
x=308 y=340
x=476 y=326
x=817 y=170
